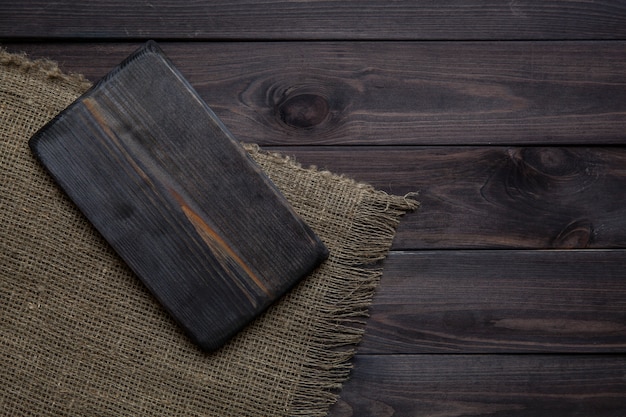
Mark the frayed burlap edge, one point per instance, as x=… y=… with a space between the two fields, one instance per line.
x=329 y=366
x=44 y=68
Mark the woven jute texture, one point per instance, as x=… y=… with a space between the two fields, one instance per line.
x=80 y=335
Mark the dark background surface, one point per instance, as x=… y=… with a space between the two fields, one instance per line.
x=505 y=294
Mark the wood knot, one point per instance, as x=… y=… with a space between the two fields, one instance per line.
x=304 y=110
x=548 y=173
x=552 y=161
x=576 y=235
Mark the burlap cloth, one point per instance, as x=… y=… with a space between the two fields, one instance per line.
x=80 y=335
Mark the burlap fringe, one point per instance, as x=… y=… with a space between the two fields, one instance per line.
x=43 y=67
x=337 y=338
x=338 y=333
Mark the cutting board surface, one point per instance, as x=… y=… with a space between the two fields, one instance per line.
x=166 y=184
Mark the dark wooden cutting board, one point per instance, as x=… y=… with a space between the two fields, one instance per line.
x=166 y=184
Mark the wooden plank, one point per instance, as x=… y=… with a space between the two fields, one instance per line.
x=494 y=197
x=499 y=301
x=180 y=201
x=478 y=197
x=484 y=385
x=395 y=93
x=367 y=19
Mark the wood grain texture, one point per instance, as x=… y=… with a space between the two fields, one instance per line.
x=298 y=20
x=179 y=200
x=394 y=93
x=484 y=385
x=494 y=197
x=499 y=301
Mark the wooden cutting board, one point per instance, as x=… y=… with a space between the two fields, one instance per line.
x=166 y=184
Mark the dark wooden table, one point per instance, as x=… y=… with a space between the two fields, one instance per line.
x=505 y=295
